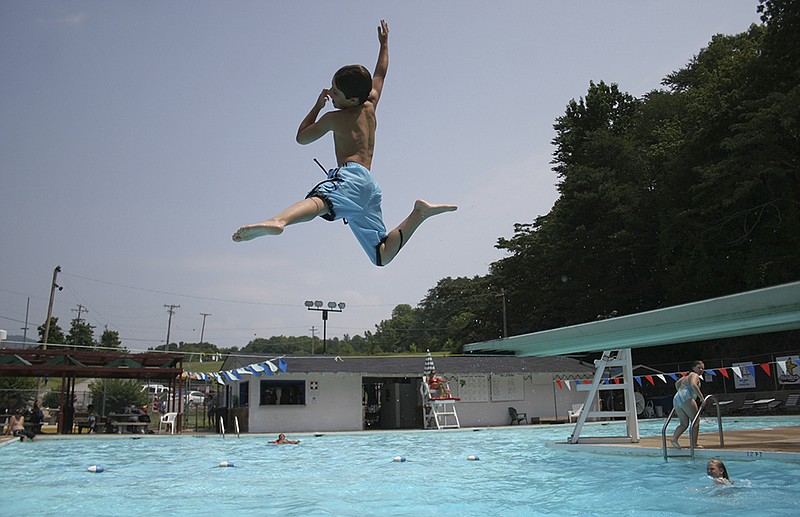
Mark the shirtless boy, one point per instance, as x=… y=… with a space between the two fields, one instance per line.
x=350 y=192
x=16 y=426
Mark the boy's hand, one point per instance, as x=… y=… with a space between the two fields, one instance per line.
x=323 y=98
x=383 y=33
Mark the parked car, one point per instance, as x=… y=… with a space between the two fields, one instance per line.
x=156 y=390
x=195 y=398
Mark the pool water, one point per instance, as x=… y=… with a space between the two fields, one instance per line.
x=353 y=474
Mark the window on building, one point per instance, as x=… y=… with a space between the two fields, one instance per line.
x=283 y=393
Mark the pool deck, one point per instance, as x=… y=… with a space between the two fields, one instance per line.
x=773 y=442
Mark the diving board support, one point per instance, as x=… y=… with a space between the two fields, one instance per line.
x=611 y=359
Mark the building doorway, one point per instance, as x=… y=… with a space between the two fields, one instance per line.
x=392 y=403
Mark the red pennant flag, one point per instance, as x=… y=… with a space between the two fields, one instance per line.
x=765 y=367
x=650 y=378
x=724 y=372
x=558 y=381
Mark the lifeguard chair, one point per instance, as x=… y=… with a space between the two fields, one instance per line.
x=438 y=404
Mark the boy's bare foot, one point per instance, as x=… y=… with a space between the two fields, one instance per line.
x=251 y=231
x=675 y=444
x=425 y=209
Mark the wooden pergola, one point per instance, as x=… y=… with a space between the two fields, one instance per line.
x=72 y=364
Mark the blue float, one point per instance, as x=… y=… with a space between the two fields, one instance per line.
x=96 y=468
x=399 y=459
x=226 y=464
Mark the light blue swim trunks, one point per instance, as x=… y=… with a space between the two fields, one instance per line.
x=352 y=194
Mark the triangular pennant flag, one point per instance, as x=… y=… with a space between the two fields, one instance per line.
x=661 y=376
x=674 y=377
x=282 y=364
x=251 y=369
x=724 y=372
x=558 y=381
x=569 y=384
x=765 y=367
x=711 y=372
x=267 y=370
x=737 y=371
x=638 y=380
x=751 y=369
x=243 y=371
x=271 y=367
x=650 y=379
x=257 y=367
x=781 y=367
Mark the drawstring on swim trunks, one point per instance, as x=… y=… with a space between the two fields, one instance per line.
x=333 y=179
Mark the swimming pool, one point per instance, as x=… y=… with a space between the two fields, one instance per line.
x=353 y=474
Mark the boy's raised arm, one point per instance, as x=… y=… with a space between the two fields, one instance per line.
x=382 y=66
x=310 y=128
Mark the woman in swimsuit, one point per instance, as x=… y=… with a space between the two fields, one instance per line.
x=684 y=403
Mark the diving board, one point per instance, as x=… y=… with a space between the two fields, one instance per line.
x=772 y=309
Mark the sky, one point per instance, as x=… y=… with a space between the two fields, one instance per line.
x=136 y=137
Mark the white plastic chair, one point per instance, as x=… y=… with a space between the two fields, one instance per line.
x=168 y=420
x=575 y=412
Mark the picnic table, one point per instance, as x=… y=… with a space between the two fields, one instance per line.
x=123 y=420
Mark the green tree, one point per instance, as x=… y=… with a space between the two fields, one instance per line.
x=115 y=394
x=56 y=335
x=81 y=335
x=109 y=341
x=16 y=392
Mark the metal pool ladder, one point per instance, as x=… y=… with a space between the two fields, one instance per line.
x=691 y=427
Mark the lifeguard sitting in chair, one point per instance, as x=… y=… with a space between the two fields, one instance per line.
x=439 y=385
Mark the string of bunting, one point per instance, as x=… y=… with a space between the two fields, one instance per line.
x=263 y=368
x=724 y=371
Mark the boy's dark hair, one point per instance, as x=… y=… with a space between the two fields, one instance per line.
x=354 y=81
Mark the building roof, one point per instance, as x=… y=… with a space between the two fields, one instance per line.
x=414 y=366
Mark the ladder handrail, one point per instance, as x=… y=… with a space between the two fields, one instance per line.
x=691 y=427
x=236 y=422
x=222 y=427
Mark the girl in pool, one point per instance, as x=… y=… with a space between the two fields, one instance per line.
x=684 y=402
x=716 y=470
x=282 y=439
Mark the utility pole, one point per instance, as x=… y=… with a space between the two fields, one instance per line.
x=503 y=296
x=313 y=330
x=53 y=287
x=203 y=328
x=79 y=310
x=171 y=311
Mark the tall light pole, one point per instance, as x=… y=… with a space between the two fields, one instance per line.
x=332 y=307
x=203 y=328
x=53 y=287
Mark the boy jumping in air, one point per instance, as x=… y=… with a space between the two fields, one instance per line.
x=350 y=192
